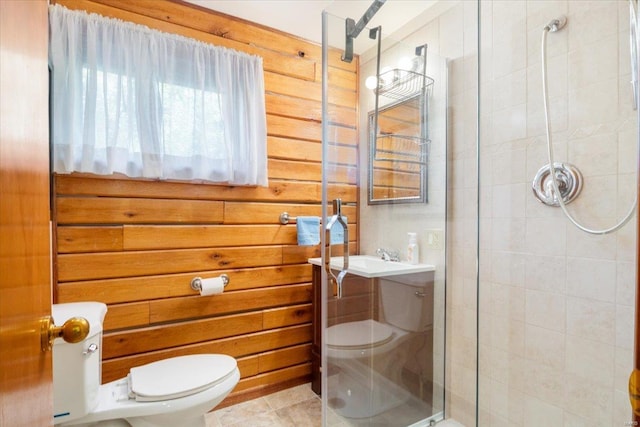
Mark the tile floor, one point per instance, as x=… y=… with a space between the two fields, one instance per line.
x=295 y=407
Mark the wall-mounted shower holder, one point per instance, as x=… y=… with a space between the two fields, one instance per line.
x=569 y=181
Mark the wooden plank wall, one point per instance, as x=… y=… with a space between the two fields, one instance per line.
x=136 y=244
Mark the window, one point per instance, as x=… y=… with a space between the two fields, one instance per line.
x=131 y=100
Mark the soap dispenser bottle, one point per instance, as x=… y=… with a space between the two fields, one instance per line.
x=413 y=250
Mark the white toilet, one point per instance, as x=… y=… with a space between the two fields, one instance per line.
x=368 y=355
x=172 y=392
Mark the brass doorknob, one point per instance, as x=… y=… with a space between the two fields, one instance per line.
x=72 y=331
x=634 y=391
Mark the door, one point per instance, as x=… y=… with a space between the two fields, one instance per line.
x=382 y=353
x=25 y=259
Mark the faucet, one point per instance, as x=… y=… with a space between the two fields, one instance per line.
x=388 y=254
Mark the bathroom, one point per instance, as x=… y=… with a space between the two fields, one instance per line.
x=539 y=315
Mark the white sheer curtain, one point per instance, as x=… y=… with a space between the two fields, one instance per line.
x=131 y=100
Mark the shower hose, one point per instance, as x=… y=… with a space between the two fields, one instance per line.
x=552 y=27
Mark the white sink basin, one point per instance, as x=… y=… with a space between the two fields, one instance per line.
x=372 y=266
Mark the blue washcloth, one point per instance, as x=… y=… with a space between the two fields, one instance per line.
x=337 y=233
x=308 y=230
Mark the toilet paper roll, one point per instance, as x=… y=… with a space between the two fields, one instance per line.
x=212 y=286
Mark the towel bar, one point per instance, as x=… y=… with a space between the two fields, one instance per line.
x=285 y=218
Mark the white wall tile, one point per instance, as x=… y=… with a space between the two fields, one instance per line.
x=591 y=278
x=508 y=268
x=451 y=38
x=509 y=200
x=545 y=236
x=590 y=21
x=545 y=347
x=509 y=165
x=508 y=235
x=581 y=244
x=545 y=273
x=595 y=155
x=596 y=206
x=627 y=239
x=584 y=70
x=625 y=283
x=623 y=365
x=509 y=51
x=587 y=398
x=594 y=103
x=591 y=319
x=509 y=124
x=556 y=303
x=544 y=383
x=507 y=301
x=539 y=413
x=590 y=359
x=546 y=310
x=511 y=90
x=624 y=326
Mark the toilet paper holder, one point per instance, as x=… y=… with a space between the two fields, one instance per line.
x=196 y=282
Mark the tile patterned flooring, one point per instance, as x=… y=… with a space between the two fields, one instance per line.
x=295 y=407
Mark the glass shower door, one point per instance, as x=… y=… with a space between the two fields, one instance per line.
x=382 y=318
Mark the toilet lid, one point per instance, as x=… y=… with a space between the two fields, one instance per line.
x=363 y=333
x=178 y=376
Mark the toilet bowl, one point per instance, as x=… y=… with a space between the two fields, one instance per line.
x=367 y=357
x=172 y=392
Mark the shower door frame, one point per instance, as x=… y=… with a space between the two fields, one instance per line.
x=322 y=284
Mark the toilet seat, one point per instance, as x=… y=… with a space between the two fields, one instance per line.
x=359 y=334
x=178 y=376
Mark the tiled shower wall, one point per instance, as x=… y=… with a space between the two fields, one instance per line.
x=556 y=304
x=556 y=313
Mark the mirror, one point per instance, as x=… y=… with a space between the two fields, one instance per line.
x=398 y=153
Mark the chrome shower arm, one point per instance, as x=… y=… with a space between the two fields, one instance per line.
x=353 y=29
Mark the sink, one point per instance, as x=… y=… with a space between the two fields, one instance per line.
x=372 y=266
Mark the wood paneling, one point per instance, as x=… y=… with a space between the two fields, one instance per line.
x=112 y=291
x=103 y=265
x=163 y=237
x=90 y=239
x=176 y=334
x=135 y=244
x=278 y=190
x=93 y=210
x=269 y=213
x=229 y=302
x=237 y=346
x=124 y=315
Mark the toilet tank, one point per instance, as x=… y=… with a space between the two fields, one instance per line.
x=77 y=367
x=407 y=300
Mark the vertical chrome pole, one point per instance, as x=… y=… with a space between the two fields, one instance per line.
x=325 y=277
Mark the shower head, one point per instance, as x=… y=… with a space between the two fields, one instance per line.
x=556 y=24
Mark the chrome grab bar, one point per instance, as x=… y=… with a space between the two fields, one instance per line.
x=336 y=219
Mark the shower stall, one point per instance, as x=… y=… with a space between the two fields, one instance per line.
x=467 y=123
